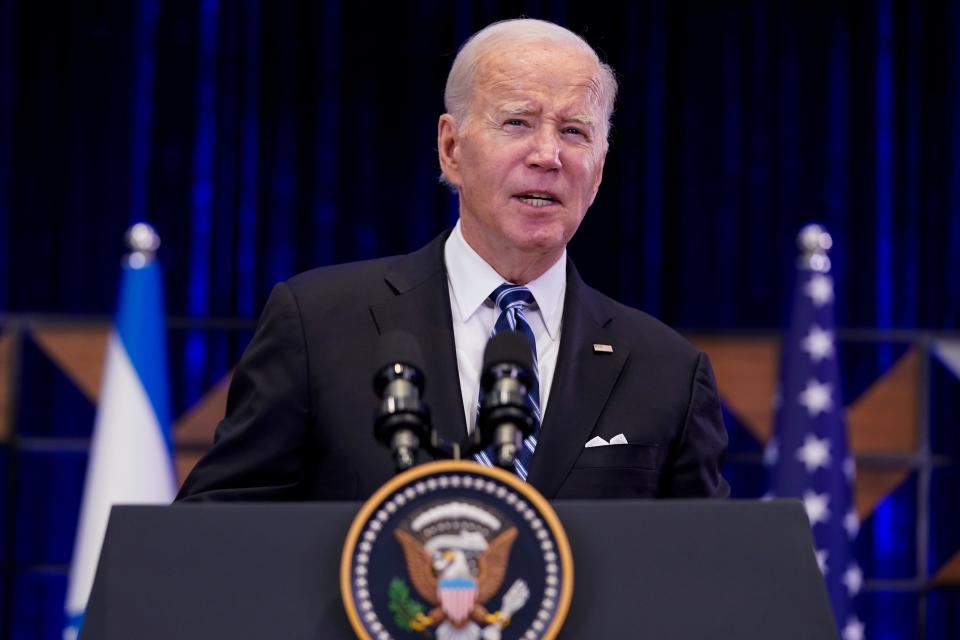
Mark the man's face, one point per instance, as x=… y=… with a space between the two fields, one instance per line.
x=528 y=161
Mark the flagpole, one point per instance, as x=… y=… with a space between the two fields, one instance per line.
x=808 y=456
x=131 y=448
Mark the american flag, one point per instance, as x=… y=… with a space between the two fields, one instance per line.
x=808 y=456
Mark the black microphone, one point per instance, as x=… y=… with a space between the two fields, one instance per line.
x=402 y=419
x=506 y=414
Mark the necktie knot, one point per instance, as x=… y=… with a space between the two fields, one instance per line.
x=512 y=296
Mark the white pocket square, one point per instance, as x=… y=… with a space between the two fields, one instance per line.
x=597 y=441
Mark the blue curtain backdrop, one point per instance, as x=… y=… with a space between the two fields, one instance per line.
x=266 y=138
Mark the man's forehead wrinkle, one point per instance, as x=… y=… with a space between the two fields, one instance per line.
x=595 y=89
x=531 y=56
x=519 y=108
x=505 y=84
x=525 y=107
x=571 y=112
x=527 y=80
x=515 y=91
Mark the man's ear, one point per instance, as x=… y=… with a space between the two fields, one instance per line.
x=448 y=148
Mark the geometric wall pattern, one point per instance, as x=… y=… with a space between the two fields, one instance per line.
x=883 y=419
x=80 y=351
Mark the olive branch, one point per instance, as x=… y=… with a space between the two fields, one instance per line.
x=403 y=607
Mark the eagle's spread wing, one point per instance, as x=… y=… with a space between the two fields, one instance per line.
x=419 y=566
x=492 y=565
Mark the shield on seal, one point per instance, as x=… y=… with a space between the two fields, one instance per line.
x=457 y=597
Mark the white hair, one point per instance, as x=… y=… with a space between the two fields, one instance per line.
x=457 y=96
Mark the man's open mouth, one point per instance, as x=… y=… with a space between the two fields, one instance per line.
x=538 y=199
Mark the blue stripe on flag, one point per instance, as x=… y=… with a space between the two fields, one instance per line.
x=141 y=326
x=457 y=583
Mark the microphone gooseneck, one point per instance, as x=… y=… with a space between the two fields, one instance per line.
x=506 y=413
x=402 y=420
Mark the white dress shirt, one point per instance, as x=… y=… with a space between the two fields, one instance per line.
x=471 y=281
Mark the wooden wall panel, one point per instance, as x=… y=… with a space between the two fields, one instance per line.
x=184 y=462
x=746 y=370
x=79 y=351
x=884 y=418
x=195 y=427
x=949 y=574
x=871 y=486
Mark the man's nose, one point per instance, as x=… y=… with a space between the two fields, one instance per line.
x=545 y=152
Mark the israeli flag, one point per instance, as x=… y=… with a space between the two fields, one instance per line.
x=130 y=452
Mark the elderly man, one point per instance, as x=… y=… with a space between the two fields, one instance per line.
x=523 y=143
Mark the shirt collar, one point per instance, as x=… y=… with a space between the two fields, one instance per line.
x=472 y=280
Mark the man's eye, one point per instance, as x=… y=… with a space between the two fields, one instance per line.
x=514 y=122
x=575 y=131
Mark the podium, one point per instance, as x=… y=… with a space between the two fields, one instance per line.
x=643 y=569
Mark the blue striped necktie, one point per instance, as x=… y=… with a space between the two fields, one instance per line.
x=513 y=300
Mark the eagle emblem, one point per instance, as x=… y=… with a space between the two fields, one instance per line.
x=456 y=555
x=453 y=550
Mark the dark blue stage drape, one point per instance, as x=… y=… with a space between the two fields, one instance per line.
x=265 y=138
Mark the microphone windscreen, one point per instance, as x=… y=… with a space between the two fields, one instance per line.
x=398 y=347
x=508 y=347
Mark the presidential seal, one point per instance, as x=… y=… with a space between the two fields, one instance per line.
x=453 y=550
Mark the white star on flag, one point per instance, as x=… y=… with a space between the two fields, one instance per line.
x=820 y=289
x=815 y=462
x=816 y=398
x=814 y=453
x=817 y=507
x=849 y=469
x=818 y=343
x=771 y=453
x=853 y=579
x=822 y=560
x=851 y=522
x=854 y=630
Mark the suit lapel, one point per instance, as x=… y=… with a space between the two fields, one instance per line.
x=583 y=379
x=421 y=307
x=582 y=382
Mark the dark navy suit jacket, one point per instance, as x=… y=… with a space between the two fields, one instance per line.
x=300 y=409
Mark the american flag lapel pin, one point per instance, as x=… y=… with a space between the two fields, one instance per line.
x=602 y=348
